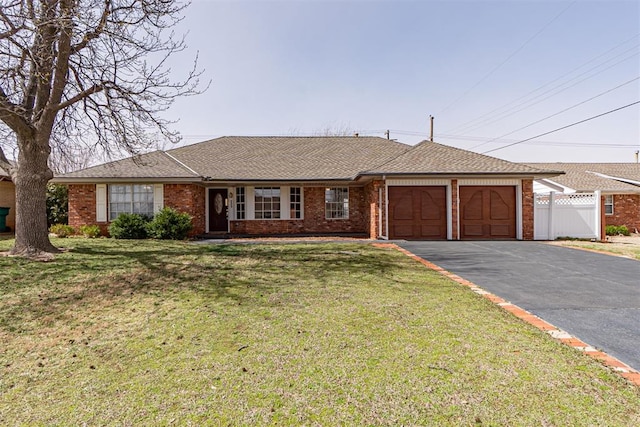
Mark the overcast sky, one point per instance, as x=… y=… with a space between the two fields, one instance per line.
x=491 y=72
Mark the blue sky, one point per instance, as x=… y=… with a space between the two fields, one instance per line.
x=484 y=69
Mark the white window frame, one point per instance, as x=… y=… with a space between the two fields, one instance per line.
x=285 y=203
x=241 y=203
x=273 y=214
x=293 y=203
x=608 y=202
x=103 y=207
x=331 y=206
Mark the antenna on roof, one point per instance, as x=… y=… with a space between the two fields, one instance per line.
x=637 y=152
x=431 y=132
x=387 y=133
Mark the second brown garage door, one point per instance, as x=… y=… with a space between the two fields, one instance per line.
x=488 y=212
x=418 y=213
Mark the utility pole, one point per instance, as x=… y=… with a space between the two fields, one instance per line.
x=431 y=132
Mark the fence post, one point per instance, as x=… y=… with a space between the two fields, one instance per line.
x=551 y=229
x=598 y=230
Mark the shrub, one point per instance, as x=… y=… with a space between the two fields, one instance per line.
x=616 y=230
x=62 y=230
x=170 y=224
x=90 y=231
x=129 y=226
x=57 y=200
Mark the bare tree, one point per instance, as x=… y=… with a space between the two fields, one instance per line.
x=81 y=74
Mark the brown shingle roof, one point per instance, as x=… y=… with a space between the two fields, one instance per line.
x=583 y=177
x=242 y=158
x=156 y=164
x=433 y=158
x=237 y=158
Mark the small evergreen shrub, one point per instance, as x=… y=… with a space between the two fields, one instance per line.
x=616 y=230
x=62 y=230
x=129 y=226
x=90 y=231
x=170 y=224
x=57 y=204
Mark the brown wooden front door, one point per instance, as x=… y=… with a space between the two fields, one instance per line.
x=418 y=213
x=487 y=212
x=218 y=210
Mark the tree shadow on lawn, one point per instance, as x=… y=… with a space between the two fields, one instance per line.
x=91 y=276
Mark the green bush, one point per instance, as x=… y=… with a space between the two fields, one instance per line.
x=129 y=226
x=57 y=204
x=616 y=230
x=170 y=224
x=62 y=230
x=90 y=231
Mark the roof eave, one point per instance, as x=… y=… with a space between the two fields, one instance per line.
x=91 y=180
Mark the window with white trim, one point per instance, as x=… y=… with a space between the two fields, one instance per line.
x=295 y=202
x=130 y=198
x=336 y=203
x=267 y=202
x=608 y=204
x=240 y=203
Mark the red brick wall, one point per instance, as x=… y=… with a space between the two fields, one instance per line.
x=82 y=206
x=189 y=198
x=372 y=192
x=626 y=211
x=314 y=217
x=527 y=209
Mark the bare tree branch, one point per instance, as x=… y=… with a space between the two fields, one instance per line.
x=81 y=76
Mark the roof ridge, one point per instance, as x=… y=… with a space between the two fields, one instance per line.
x=180 y=163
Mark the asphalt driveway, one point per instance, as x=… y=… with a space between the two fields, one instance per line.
x=592 y=296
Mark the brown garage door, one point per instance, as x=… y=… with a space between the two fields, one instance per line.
x=488 y=212
x=418 y=213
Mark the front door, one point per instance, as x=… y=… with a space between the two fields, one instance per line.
x=218 y=210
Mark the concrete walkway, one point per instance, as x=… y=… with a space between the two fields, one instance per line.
x=592 y=296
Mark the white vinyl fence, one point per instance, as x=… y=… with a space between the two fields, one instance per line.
x=567 y=215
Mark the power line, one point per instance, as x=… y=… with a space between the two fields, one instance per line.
x=530 y=102
x=564 y=127
x=466 y=126
x=497 y=67
x=556 y=114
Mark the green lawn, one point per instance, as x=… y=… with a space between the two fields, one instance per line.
x=171 y=333
x=629 y=250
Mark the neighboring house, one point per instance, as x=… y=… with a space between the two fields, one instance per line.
x=316 y=185
x=619 y=184
x=8 y=199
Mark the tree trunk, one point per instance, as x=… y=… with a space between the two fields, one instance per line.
x=30 y=179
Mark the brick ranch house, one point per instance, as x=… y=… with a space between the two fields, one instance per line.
x=618 y=183
x=316 y=185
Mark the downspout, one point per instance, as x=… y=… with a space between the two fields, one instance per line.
x=380 y=213
x=386 y=207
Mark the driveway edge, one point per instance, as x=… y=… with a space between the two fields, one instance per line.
x=616 y=365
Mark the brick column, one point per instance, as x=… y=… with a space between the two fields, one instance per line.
x=527 y=209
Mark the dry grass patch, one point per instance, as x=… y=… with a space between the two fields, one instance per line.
x=149 y=333
x=626 y=246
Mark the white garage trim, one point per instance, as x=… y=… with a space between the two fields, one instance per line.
x=418 y=182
